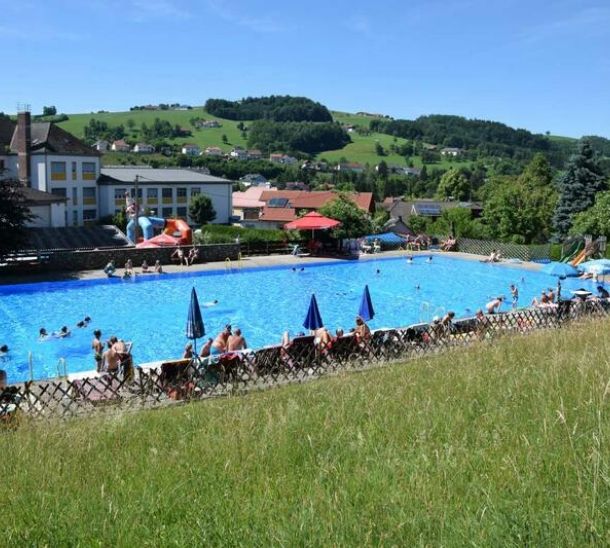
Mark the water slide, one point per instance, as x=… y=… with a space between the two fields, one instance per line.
x=147 y=224
x=175 y=232
x=579 y=258
x=572 y=252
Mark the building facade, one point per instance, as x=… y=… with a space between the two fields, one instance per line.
x=164 y=193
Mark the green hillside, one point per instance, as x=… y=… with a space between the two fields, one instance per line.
x=504 y=444
x=361 y=150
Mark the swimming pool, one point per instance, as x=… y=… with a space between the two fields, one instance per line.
x=151 y=310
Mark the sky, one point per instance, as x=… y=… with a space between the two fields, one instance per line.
x=538 y=65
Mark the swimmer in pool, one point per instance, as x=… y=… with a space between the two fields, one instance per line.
x=210 y=304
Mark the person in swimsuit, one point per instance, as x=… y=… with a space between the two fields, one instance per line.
x=236 y=341
x=219 y=345
x=98 y=350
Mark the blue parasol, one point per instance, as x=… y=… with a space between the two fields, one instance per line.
x=366 y=311
x=194 y=322
x=563 y=270
x=313 y=320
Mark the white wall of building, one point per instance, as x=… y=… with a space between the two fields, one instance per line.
x=111 y=198
x=74 y=183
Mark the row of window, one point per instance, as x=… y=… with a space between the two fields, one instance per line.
x=167 y=212
x=153 y=193
x=89 y=194
x=59 y=171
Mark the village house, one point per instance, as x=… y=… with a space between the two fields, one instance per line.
x=451 y=151
x=190 y=149
x=101 y=145
x=213 y=151
x=143 y=148
x=238 y=154
x=350 y=167
x=120 y=146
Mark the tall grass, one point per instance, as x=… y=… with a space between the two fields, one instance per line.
x=220 y=234
x=497 y=445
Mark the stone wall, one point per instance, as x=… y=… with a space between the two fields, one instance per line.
x=67 y=261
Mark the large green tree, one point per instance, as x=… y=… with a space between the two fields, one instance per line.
x=453 y=186
x=14 y=214
x=595 y=220
x=355 y=222
x=520 y=209
x=201 y=210
x=577 y=187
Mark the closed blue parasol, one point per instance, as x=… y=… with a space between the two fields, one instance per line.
x=563 y=270
x=194 y=322
x=313 y=320
x=366 y=311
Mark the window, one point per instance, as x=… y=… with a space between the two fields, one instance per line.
x=195 y=190
x=167 y=212
x=89 y=195
x=59 y=192
x=181 y=195
x=181 y=212
x=89 y=214
x=167 y=194
x=132 y=193
x=74 y=196
x=74 y=174
x=75 y=217
x=119 y=196
x=152 y=193
x=88 y=171
x=58 y=171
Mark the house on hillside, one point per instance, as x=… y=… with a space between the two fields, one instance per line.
x=247 y=205
x=238 y=153
x=143 y=148
x=254 y=179
x=168 y=191
x=190 y=149
x=120 y=146
x=254 y=154
x=213 y=151
x=207 y=124
x=284 y=159
x=350 y=167
x=451 y=151
x=58 y=170
x=101 y=145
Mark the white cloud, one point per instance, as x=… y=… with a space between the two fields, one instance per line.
x=266 y=23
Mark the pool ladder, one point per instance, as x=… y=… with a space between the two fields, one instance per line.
x=229 y=264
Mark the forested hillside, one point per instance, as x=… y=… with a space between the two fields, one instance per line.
x=279 y=108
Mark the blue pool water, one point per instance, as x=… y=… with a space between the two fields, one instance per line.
x=151 y=311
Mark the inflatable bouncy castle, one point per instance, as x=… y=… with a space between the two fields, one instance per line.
x=174 y=232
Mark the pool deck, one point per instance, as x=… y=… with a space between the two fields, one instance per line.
x=251 y=262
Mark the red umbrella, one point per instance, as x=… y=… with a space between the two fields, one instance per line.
x=312 y=221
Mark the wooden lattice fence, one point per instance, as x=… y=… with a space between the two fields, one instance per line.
x=509 y=251
x=299 y=361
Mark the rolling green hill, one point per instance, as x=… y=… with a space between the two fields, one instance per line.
x=361 y=150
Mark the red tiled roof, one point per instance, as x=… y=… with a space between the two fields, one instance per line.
x=300 y=199
x=278 y=214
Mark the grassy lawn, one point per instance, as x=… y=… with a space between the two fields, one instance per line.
x=499 y=445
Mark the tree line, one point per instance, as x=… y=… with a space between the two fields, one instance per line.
x=279 y=108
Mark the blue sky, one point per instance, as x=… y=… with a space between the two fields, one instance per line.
x=532 y=64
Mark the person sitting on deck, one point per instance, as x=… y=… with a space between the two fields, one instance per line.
x=449 y=244
x=602 y=293
x=219 y=346
x=361 y=331
x=158 y=267
x=128 y=269
x=110 y=269
x=145 y=267
x=236 y=341
x=205 y=349
x=447 y=322
x=188 y=352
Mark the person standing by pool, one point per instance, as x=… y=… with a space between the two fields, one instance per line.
x=205 y=349
x=110 y=359
x=493 y=306
x=98 y=349
x=145 y=267
x=109 y=269
x=158 y=267
x=514 y=291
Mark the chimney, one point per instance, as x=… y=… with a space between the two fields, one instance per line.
x=24 y=143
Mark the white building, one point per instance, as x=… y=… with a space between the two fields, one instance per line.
x=143 y=148
x=239 y=154
x=120 y=146
x=47 y=158
x=190 y=150
x=167 y=192
x=49 y=211
x=101 y=145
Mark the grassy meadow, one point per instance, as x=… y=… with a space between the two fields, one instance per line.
x=497 y=445
x=361 y=150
